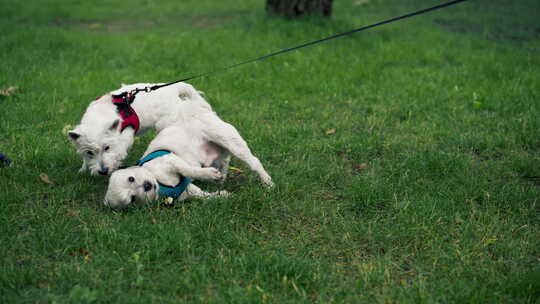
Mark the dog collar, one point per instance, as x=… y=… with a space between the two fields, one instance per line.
x=126 y=112
x=166 y=190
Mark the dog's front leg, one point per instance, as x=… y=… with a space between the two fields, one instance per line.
x=227 y=136
x=84 y=167
x=195 y=191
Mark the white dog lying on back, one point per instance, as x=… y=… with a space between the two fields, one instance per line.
x=104 y=136
x=175 y=157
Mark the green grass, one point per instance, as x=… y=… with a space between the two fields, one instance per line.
x=427 y=192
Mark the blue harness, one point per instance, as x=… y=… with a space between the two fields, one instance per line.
x=165 y=190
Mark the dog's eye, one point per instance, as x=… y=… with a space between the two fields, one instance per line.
x=131 y=179
x=133 y=198
x=106 y=148
x=89 y=153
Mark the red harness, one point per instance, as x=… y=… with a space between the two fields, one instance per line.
x=125 y=111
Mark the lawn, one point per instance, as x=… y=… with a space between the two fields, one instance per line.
x=406 y=158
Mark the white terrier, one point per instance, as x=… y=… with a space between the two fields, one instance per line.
x=176 y=156
x=107 y=130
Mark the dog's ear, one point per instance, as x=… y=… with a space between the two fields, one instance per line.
x=73 y=135
x=114 y=125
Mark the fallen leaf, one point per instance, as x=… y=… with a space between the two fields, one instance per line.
x=330 y=131
x=490 y=241
x=7 y=92
x=45 y=178
x=94 y=26
x=83 y=253
x=73 y=212
x=236 y=169
x=44 y=284
x=66 y=129
x=80 y=252
x=360 y=167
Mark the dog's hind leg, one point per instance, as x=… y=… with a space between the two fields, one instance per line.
x=226 y=135
x=179 y=166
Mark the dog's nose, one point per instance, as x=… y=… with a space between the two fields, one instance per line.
x=104 y=171
x=147 y=186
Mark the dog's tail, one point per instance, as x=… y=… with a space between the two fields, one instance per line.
x=187 y=92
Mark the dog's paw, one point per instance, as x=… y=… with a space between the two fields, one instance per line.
x=211 y=174
x=217 y=194
x=268 y=183
x=223 y=193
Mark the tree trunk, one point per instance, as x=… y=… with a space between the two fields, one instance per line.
x=295 y=8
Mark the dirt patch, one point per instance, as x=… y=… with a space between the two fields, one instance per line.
x=136 y=24
x=209 y=22
x=108 y=26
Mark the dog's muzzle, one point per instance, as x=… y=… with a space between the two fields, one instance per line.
x=147 y=186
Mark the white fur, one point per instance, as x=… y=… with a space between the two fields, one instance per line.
x=192 y=155
x=179 y=104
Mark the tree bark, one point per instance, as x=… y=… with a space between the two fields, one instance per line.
x=295 y=8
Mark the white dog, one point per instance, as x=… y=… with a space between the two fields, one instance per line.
x=176 y=156
x=107 y=128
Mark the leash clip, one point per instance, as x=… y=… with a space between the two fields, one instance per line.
x=137 y=90
x=129 y=97
x=124 y=98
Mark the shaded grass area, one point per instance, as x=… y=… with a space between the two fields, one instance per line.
x=406 y=158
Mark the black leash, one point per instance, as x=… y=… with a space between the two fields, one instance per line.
x=131 y=95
